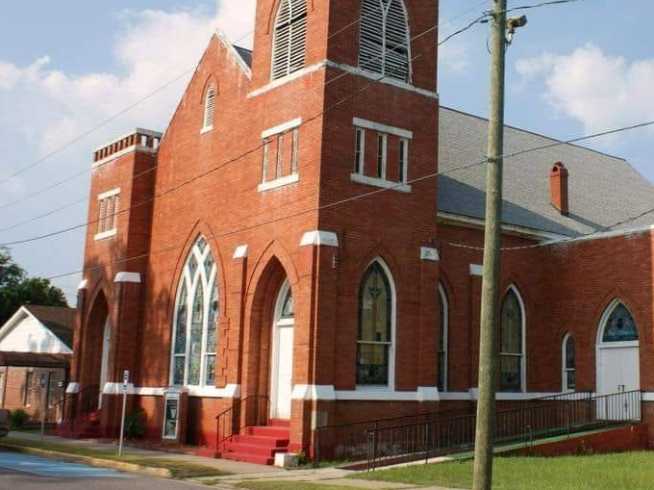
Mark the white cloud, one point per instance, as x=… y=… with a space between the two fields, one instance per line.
x=454 y=55
x=153 y=47
x=45 y=107
x=598 y=90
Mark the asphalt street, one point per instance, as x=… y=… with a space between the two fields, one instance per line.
x=23 y=472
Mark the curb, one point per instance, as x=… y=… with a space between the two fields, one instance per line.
x=98 y=462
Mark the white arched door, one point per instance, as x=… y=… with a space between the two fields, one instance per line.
x=104 y=363
x=618 y=359
x=282 y=355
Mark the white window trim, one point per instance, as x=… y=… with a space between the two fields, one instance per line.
x=277 y=183
x=206 y=129
x=445 y=332
x=382 y=128
x=111 y=193
x=564 y=359
x=281 y=128
x=209 y=127
x=105 y=235
x=523 y=354
x=405 y=158
x=390 y=387
x=382 y=183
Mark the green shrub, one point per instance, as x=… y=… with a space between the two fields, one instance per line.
x=135 y=424
x=18 y=418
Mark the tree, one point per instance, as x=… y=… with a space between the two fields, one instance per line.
x=16 y=289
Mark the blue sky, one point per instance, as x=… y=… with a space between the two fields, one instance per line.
x=577 y=68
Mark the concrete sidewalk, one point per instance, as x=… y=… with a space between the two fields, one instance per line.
x=223 y=465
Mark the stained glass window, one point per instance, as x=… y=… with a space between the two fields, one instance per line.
x=375 y=336
x=442 y=342
x=620 y=327
x=196 y=314
x=511 y=343
x=569 y=364
x=288 y=308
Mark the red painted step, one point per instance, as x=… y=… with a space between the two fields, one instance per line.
x=258 y=444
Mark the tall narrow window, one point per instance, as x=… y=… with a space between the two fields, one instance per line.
x=289 y=41
x=29 y=375
x=375 y=336
x=403 y=159
x=382 y=142
x=209 y=109
x=384 y=45
x=359 y=150
x=266 y=158
x=279 y=168
x=569 y=364
x=295 y=151
x=442 y=339
x=511 y=343
x=194 y=326
x=108 y=209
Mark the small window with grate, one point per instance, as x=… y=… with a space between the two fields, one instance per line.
x=108 y=210
x=209 y=109
x=384 y=41
x=289 y=39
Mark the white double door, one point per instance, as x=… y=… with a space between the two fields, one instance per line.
x=104 y=360
x=282 y=370
x=618 y=372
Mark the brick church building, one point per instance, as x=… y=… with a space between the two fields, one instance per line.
x=285 y=256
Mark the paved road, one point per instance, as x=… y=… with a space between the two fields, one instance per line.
x=23 y=472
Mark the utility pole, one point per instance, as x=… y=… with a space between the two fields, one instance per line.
x=485 y=430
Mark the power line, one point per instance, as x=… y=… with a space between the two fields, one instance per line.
x=83 y=135
x=257 y=148
x=370 y=194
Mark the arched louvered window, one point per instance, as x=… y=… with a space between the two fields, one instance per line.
x=376 y=324
x=209 y=108
x=289 y=41
x=512 y=332
x=194 y=326
x=385 y=42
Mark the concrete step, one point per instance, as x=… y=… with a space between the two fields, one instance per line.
x=268 y=431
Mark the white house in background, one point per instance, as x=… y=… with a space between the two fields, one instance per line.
x=39 y=330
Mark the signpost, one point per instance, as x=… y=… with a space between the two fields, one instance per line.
x=124 y=389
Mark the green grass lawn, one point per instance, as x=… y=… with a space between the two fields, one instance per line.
x=290 y=485
x=178 y=469
x=632 y=471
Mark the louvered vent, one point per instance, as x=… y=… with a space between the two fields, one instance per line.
x=289 y=42
x=209 y=108
x=384 y=39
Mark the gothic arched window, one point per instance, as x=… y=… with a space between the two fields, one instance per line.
x=385 y=43
x=194 y=326
x=569 y=363
x=375 y=336
x=620 y=326
x=289 y=40
x=511 y=343
x=443 y=339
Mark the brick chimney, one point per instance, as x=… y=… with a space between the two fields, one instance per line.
x=559 y=188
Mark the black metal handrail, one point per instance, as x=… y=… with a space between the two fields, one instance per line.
x=349 y=442
x=545 y=418
x=232 y=421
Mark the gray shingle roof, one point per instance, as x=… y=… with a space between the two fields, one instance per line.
x=603 y=189
x=245 y=54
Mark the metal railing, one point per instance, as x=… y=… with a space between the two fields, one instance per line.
x=349 y=442
x=245 y=412
x=562 y=414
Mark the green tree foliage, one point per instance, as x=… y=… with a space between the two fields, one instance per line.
x=16 y=289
